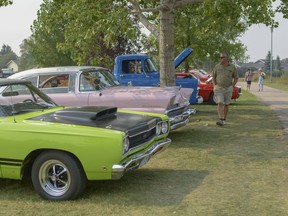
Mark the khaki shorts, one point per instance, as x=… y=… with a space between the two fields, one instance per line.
x=223 y=95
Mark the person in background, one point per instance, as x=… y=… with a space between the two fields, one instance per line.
x=261 y=77
x=225 y=77
x=248 y=78
x=131 y=68
x=139 y=68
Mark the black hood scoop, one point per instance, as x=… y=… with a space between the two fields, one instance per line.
x=88 y=112
x=102 y=117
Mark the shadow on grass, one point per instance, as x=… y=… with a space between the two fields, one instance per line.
x=148 y=187
x=17 y=190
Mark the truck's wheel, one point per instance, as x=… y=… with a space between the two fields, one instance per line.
x=212 y=98
x=58 y=176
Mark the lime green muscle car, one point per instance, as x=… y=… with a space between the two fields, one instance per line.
x=61 y=148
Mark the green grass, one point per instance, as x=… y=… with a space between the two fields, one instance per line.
x=277 y=82
x=280 y=83
x=239 y=169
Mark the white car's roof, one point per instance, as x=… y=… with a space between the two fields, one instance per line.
x=66 y=69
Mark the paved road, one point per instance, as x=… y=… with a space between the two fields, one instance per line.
x=276 y=99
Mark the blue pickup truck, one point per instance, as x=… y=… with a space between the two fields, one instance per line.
x=140 y=70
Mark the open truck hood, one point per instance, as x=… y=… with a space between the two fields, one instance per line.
x=182 y=56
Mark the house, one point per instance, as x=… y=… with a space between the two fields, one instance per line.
x=254 y=65
x=284 y=64
x=260 y=63
x=13 y=65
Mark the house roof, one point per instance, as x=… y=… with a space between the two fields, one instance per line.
x=11 y=61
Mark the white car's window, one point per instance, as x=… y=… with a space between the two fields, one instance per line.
x=96 y=80
x=54 y=84
x=33 y=80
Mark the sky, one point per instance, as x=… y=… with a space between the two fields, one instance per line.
x=258 y=40
x=16 y=20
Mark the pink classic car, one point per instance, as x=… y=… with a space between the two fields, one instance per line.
x=95 y=86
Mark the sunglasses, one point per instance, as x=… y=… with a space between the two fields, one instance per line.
x=222 y=57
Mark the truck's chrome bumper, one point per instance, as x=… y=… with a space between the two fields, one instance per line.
x=190 y=111
x=119 y=170
x=181 y=120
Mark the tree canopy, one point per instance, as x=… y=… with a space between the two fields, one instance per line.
x=94 y=32
x=86 y=32
x=6 y=55
x=5 y=2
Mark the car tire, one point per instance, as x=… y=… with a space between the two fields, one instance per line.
x=58 y=176
x=212 y=98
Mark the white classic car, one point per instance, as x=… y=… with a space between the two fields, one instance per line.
x=95 y=86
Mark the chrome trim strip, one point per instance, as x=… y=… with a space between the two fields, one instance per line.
x=148 y=130
x=144 y=131
x=176 y=108
x=179 y=124
x=176 y=123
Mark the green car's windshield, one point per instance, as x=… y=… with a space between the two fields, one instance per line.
x=91 y=80
x=18 y=98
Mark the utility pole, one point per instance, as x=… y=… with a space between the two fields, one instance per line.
x=271 y=54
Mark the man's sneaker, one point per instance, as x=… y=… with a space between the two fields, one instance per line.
x=220 y=122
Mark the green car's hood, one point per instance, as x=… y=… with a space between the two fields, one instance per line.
x=101 y=117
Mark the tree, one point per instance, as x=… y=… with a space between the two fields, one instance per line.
x=87 y=32
x=277 y=64
x=43 y=43
x=205 y=36
x=6 y=55
x=165 y=35
x=239 y=11
x=283 y=8
x=93 y=32
x=5 y=49
x=277 y=67
x=268 y=62
x=26 y=61
x=5 y=2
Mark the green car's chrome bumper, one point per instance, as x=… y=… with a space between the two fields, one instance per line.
x=119 y=170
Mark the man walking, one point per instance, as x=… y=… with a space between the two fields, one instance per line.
x=224 y=77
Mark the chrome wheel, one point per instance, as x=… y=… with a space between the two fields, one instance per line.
x=54 y=178
x=58 y=175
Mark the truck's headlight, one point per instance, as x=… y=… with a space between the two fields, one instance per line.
x=125 y=145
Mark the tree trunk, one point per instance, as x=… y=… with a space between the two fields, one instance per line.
x=166 y=44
